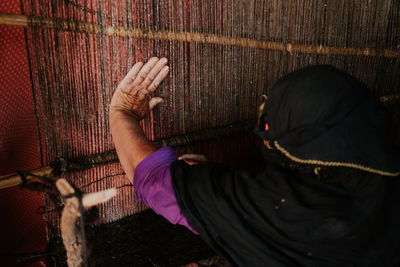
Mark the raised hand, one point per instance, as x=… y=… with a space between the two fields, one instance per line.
x=134 y=91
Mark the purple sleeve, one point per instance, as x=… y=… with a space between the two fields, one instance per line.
x=153 y=186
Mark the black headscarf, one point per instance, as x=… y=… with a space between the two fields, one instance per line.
x=323 y=116
x=326 y=196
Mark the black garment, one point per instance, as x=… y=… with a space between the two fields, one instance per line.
x=343 y=215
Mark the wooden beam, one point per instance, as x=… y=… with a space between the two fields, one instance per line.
x=14 y=179
x=212 y=135
x=191 y=37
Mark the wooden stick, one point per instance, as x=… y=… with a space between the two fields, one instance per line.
x=14 y=179
x=197 y=37
x=13 y=20
x=73 y=239
x=90 y=161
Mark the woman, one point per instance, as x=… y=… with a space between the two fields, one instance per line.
x=328 y=196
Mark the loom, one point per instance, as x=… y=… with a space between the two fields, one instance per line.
x=223 y=55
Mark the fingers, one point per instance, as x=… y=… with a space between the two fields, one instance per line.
x=144 y=72
x=131 y=76
x=159 y=78
x=158 y=67
x=142 y=80
x=155 y=101
x=193 y=157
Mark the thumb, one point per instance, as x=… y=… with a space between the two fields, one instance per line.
x=155 y=101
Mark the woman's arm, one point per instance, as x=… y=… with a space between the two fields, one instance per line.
x=130 y=103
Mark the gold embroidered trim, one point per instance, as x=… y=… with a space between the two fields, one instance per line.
x=333 y=164
x=266 y=143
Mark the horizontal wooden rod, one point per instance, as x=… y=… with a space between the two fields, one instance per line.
x=14 y=179
x=183 y=36
x=60 y=166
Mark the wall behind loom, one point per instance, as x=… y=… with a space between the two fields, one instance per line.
x=223 y=56
x=22 y=229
